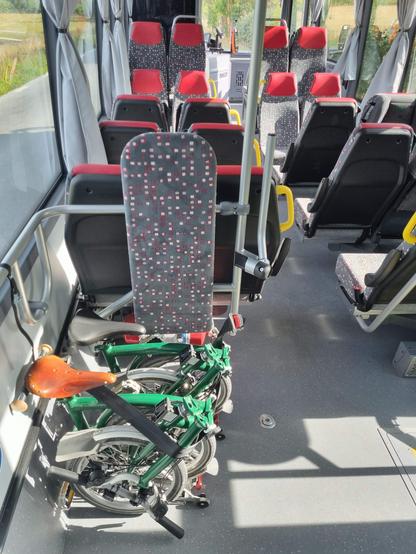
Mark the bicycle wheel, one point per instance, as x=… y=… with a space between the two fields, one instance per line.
x=203 y=452
x=112 y=459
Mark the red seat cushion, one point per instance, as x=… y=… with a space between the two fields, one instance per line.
x=193 y=82
x=276 y=37
x=326 y=84
x=281 y=84
x=131 y=124
x=146 y=32
x=207 y=101
x=134 y=97
x=216 y=126
x=147 y=81
x=236 y=170
x=312 y=38
x=188 y=34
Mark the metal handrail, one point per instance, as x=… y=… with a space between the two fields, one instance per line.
x=194 y=17
x=265 y=197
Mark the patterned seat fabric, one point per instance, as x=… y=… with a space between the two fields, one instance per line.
x=276 y=49
x=189 y=84
x=351 y=270
x=308 y=55
x=279 y=113
x=322 y=136
x=147 y=48
x=203 y=110
x=368 y=177
x=186 y=50
x=324 y=85
x=169 y=188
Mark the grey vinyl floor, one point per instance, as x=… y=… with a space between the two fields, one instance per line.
x=322 y=480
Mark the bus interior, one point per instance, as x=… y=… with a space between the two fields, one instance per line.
x=208 y=276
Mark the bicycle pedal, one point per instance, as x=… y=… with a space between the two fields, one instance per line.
x=228 y=407
x=213 y=467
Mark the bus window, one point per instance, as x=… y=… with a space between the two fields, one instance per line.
x=234 y=14
x=338 y=17
x=410 y=78
x=382 y=30
x=29 y=163
x=296 y=18
x=84 y=34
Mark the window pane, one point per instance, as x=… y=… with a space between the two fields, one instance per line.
x=28 y=154
x=83 y=32
x=297 y=15
x=381 y=33
x=338 y=17
x=227 y=14
x=410 y=79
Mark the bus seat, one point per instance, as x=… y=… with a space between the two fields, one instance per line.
x=97 y=244
x=323 y=134
x=226 y=140
x=228 y=187
x=190 y=84
x=116 y=134
x=147 y=48
x=279 y=113
x=276 y=49
x=172 y=280
x=149 y=81
x=391 y=108
x=324 y=85
x=140 y=108
x=369 y=175
x=308 y=55
x=203 y=110
x=186 y=50
x=371 y=281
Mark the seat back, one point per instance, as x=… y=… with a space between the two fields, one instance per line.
x=308 y=55
x=97 y=244
x=133 y=107
x=147 y=48
x=279 y=112
x=190 y=84
x=367 y=178
x=116 y=134
x=228 y=187
x=226 y=140
x=169 y=188
x=203 y=110
x=391 y=108
x=186 y=50
x=276 y=48
x=323 y=134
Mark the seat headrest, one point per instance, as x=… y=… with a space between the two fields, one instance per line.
x=312 y=38
x=188 y=34
x=281 y=84
x=146 y=32
x=326 y=84
x=385 y=126
x=96 y=169
x=216 y=127
x=193 y=82
x=147 y=81
x=207 y=101
x=132 y=124
x=135 y=97
x=276 y=37
x=236 y=170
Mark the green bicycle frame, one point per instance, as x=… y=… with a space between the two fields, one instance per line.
x=211 y=361
x=196 y=416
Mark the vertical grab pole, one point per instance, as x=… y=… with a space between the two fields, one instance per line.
x=265 y=197
x=250 y=128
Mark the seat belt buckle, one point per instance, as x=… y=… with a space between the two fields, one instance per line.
x=237 y=323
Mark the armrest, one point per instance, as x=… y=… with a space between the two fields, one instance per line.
x=319 y=197
x=389 y=263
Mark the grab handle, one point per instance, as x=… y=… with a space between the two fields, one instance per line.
x=408 y=235
x=235 y=113
x=283 y=190
x=257 y=152
x=214 y=88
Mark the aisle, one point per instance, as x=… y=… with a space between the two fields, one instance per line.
x=322 y=481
